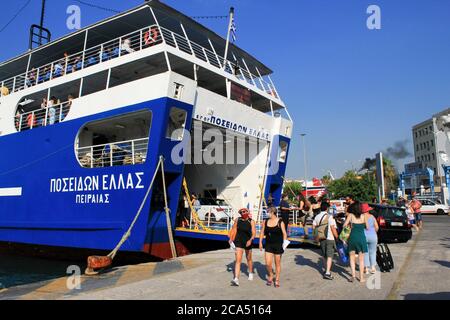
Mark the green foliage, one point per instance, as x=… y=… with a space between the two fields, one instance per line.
x=296 y=188
x=363 y=188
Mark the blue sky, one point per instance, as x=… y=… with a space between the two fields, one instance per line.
x=354 y=91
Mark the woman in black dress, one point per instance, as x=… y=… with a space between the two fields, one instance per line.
x=274 y=230
x=242 y=235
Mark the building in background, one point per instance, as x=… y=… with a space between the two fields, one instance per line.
x=431 y=147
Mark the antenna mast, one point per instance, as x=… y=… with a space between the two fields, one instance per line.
x=38 y=34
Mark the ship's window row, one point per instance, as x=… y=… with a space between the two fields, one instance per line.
x=51 y=106
x=116 y=141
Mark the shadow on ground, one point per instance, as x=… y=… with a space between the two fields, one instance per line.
x=430 y=296
x=318 y=266
x=443 y=263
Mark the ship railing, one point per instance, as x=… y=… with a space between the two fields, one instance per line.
x=118 y=47
x=129 y=43
x=42 y=117
x=240 y=70
x=227 y=225
x=130 y=152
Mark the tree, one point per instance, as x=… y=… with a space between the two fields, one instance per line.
x=293 y=187
x=363 y=188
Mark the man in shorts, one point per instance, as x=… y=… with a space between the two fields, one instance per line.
x=328 y=246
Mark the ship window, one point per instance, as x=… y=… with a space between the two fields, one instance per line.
x=178 y=91
x=177 y=124
x=94 y=83
x=116 y=141
x=283 y=151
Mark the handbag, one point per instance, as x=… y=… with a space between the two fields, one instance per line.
x=345 y=234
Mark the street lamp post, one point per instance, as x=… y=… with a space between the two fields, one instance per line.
x=303 y=135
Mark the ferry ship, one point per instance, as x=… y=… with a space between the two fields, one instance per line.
x=85 y=119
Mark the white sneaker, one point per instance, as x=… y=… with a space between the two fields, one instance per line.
x=250 y=277
x=235 y=282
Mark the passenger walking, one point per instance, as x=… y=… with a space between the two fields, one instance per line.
x=270 y=201
x=242 y=235
x=357 y=243
x=185 y=213
x=370 y=259
x=349 y=200
x=326 y=230
x=411 y=217
x=274 y=230
x=416 y=206
x=286 y=210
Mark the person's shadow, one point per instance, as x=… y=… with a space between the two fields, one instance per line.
x=341 y=271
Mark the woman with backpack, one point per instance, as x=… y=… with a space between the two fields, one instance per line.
x=274 y=230
x=357 y=242
x=325 y=231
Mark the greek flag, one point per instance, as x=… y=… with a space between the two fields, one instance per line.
x=233 y=31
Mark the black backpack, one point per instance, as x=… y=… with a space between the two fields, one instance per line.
x=384 y=258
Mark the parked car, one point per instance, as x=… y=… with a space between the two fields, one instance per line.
x=393 y=222
x=215 y=209
x=433 y=207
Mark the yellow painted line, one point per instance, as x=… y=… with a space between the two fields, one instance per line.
x=136 y=273
x=51 y=290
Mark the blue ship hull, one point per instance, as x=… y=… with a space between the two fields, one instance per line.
x=85 y=214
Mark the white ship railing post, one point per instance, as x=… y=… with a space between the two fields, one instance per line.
x=46 y=116
x=249 y=73
x=141 y=39
x=14 y=85
x=20 y=122
x=28 y=64
x=84 y=49
x=261 y=79
x=133 y=151
x=60 y=111
x=162 y=37
x=120 y=46
x=92 y=157
x=32 y=120
x=274 y=88
x=206 y=56
x=215 y=53
x=111 y=153
x=187 y=39
x=100 y=58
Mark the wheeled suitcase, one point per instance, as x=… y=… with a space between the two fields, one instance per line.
x=384 y=258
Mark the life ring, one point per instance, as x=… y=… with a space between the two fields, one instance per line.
x=151 y=39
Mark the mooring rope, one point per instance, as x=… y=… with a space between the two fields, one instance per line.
x=128 y=233
x=169 y=224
